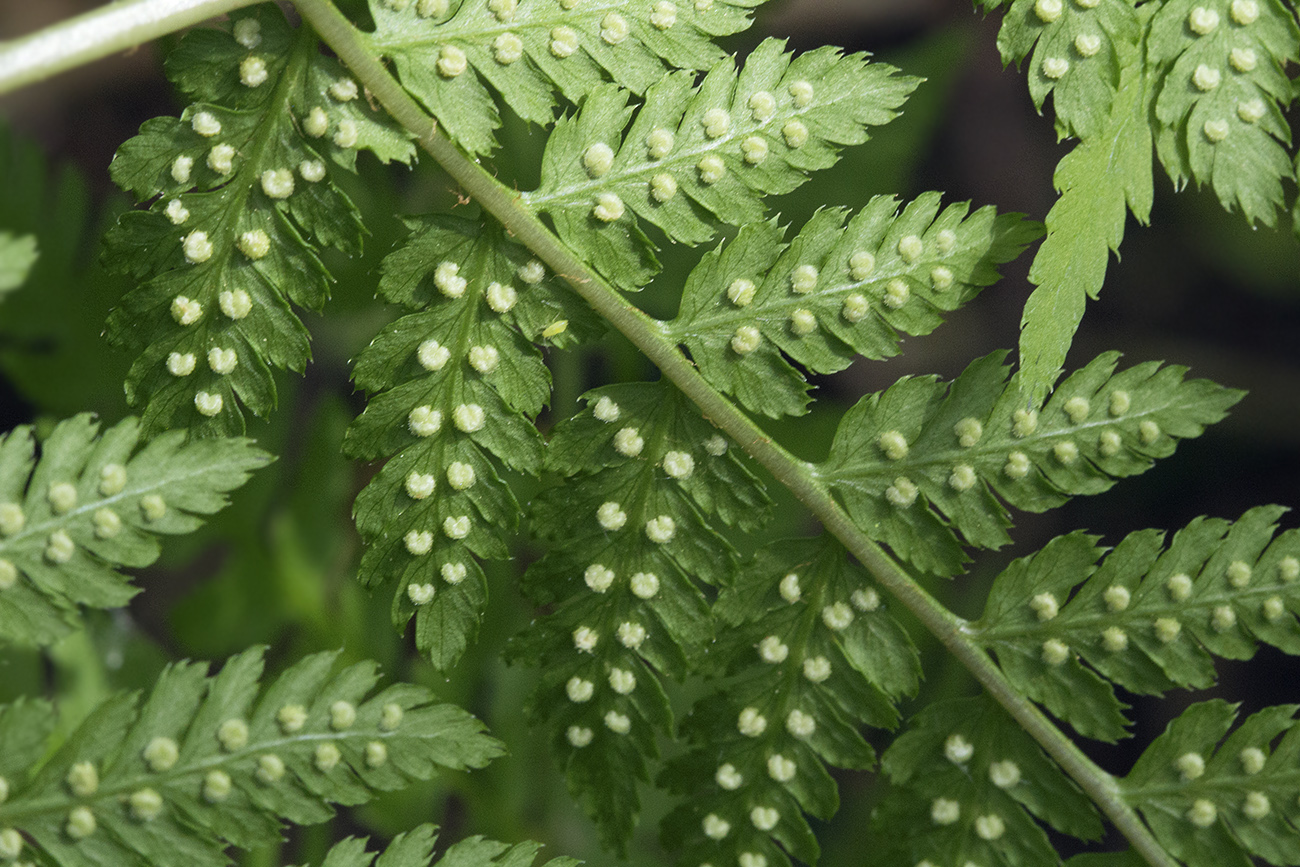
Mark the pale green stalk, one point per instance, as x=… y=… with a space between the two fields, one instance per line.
x=96 y=34
x=801 y=477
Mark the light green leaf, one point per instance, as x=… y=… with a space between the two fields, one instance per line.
x=17 y=255
x=415 y=849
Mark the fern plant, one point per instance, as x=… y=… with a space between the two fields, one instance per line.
x=680 y=639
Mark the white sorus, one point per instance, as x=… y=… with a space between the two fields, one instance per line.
x=622 y=681
x=376 y=754
x=291 y=718
x=83 y=779
x=893 y=444
x=795 y=134
x=1055 y=652
x=663 y=187
x=456 y=527
x=391 y=717
x=990 y=826
x=751 y=859
x=317 y=122
x=803 y=322
x=418 y=542
x=618 y=723
x=146 y=805
x=12 y=519
x=944 y=811
x=501 y=297
x=579 y=736
x=780 y=768
x=902 y=493
x=531 y=272
x=727 y=777
x=772 y=650
x=585 y=639
x=606 y=410
x=679 y=465
x=222 y=361
x=234 y=303
x=326 y=757
x=426 y=8
x=343 y=715
x=448 y=280
x=1114 y=639
x=254 y=244
x=1256 y=806
x=248 y=32
x=81 y=823
x=252 y=71
x=176 y=212
x=468 y=417
x=664 y=15
x=614 y=28
x=644 y=585
x=789 y=588
x=1206 y=77
x=962 y=477
x=1087 y=44
x=941 y=278
x=1223 y=618
x=180 y=363
x=957 y=749
x=861 y=264
x=1273 y=609
x=1077 y=408
x=432 y=355
x=1252 y=760
x=1004 y=774
x=764 y=818
x=1288 y=569
x=897 y=292
x=715 y=827
x=1239 y=574
x=1202 y=813
x=312 y=171
x=661 y=529
x=911 y=248
x=205 y=124
x=1117 y=597
x=1245 y=12
x=598 y=577
x=800 y=724
x=344 y=90
x=1167 y=629
x=484 y=359
x=232 y=734
x=1203 y=21
x=598 y=159
x=507 y=49
x=424 y=421
x=746 y=340
x=1216 y=130
x=631 y=635
x=59 y=547
x=1024 y=422
x=420 y=485
x=221 y=158
x=837 y=616
x=755 y=150
x=1055 y=67
x=208 y=404
x=716 y=445
x=855 y=308
x=711 y=168
x=1045 y=606
x=865 y=599
x=611 y=516
x=160 y=754
x=181 y=168
x=216 y=786
x=564 y=42
x=659 y=143
x=420 y=594
x=716 y=122
x=62 y=497
x=762 y=106
x=112 y=480
x=741 y=292
x=579 y=690
x=197 y=247
x=270 y=769
x=453 y=573
x=801 y=92
x=1048 y=10
x=1179 y=586
x=803 y=279
x=451 y=61
x=1119 y=403
x=108 y=524
x=460 y=475
x=1109 y=443
x=1243 y=59
x=751 y=723
x=347 y=133
x=1017 y=466
x=816 y=669
x=277 y=183
x=608 y=208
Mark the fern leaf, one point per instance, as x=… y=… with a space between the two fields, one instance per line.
x=633 y=535
x=205 y=762
x=91 y=503
x=452 y=385
x=816 y=655
x=243 y=201
x=923 y=455
x=415 y=849
x=842 y=286
x=1221 y=94
x=17 y=255
x=1213 y=801
x=693 y=154
x=448 y=54
x=1147 y=618
x=969 y=785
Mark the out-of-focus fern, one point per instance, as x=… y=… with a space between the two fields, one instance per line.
x=415 y=849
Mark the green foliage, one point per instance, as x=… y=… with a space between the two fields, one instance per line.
x=17 y=254
x=415 y=849
x=210 y=761
x=93 y=502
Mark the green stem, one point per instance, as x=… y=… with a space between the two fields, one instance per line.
x=99 y=33
x=650 y=337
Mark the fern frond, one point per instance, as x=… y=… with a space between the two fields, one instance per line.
x=925 y=458
x=694 y=154
x=206 y=762
x=843 y=286
x=969 y=785
x=93 y=502
x=242 y=203
x=448 y=54
x=415 y=849
x=635 y=534
x=816 y=656
x=1216 y=802
x=17 y=255
x=1147 y=618
x=452 y=386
